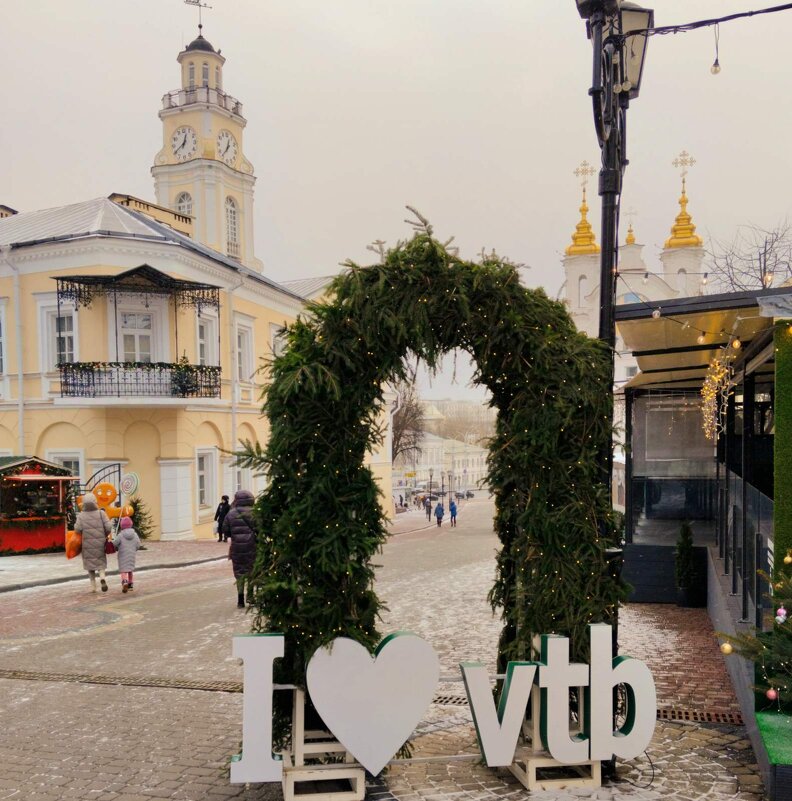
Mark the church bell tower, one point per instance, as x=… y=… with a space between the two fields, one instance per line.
x=201 y=170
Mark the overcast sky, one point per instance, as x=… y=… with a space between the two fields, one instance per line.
x=474 y=111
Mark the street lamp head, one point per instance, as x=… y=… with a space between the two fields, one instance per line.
x=588 y=7
x=634 y=18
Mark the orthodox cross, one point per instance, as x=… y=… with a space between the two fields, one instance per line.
x=199 y=5
x=683 y=161
x=630 y=215
x=584 y=172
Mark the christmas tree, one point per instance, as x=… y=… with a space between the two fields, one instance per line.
x=771 y=650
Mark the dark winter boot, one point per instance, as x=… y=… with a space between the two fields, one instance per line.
x=240 y=601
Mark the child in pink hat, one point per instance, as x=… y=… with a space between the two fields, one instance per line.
x=127 y=543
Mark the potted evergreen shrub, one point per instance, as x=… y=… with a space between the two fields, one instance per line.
x=686 y=572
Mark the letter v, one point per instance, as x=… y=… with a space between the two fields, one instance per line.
x=497 y=732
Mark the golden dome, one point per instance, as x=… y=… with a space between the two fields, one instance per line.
x=683 y=232
x=630 y=236
x=583 y=240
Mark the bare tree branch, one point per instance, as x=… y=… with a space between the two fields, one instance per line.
x=757 y=258
x=408 y=422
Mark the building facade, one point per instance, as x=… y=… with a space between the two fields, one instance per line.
x=135 y=333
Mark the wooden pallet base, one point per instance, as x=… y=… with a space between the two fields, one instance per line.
x=555 y=775
x=336 y=782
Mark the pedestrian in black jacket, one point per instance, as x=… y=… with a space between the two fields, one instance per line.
x=222 y=510
x=239 y=526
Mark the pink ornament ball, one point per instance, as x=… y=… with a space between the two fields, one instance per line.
x=772 y=694
x=781 y=612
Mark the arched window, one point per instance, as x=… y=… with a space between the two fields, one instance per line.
x=583 y=289
x=232 y=227
x=218 y=79
x=681 y=279
x=184 y=203
x=191 y=75
x=205 y=74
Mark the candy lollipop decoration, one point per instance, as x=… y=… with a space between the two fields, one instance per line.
x=781 y=615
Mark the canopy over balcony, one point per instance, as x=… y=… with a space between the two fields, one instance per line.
x=142 y=281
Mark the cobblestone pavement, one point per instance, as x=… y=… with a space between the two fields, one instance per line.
x=19 y=572
x=62 y=739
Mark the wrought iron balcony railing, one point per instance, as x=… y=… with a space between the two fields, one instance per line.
x=201 y=94
x=138 y=380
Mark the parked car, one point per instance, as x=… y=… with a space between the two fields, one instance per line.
x=470 y=494
x=459 y=495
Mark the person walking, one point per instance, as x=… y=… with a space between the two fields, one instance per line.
x=439 y=512
x=452 y=510
x=220 y=514
x=127 y=542
x=428 y=508
x=94 y=526
x=240 y=528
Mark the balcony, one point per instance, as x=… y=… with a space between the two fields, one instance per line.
x=138 y=380
x=201 y=94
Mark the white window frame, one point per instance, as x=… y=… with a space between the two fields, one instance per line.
x=60 y=455
x=160 y=329
x=244 y=357
x=277 y=339
x=191 y=75
x=242 y=478
x=210 y=478
x=205 y=74
x=232 y=226
x=3 y=339
x=137 y=333
x=183 y=204
x=47 y=315
x=209 y=318
x=218 y=78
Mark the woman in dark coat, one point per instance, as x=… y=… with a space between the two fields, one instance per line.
x=240 y=528
x=220 y=514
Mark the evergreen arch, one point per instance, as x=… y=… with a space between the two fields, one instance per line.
x=320 y=517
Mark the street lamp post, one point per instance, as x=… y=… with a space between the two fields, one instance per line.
x=431 y=473
x=618 y=60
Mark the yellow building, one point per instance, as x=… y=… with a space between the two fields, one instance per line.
x=133 y=332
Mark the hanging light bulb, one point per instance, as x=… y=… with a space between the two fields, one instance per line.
x=646 y=278
x=736 y=344
x=656 y=314
x=767 y=280
x=704 y=279
x=716 y=68
x=701 y=338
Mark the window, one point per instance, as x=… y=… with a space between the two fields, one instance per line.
x=184 y=203
x=583 y=289
x=136 y=331
x=60 y=344
x=631 y=372
x=277 y=339
x=191 y=75
x=207 y=340
x=232 y=227
x=218 y=78
x=71 y=460
x=244 y=353
x=205 y=471
x=205 y=74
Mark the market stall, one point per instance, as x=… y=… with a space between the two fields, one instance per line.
x=35 y=504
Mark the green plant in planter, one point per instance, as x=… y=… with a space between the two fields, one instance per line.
x=183 y=378
x=685 y=570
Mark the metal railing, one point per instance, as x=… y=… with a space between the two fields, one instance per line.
x=201 y=94
x=125 y=379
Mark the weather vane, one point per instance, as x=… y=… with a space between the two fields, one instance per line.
x=584 y=172
x=683 y=161
x=200 y=6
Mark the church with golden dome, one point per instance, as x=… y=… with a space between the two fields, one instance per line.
x=681 y=271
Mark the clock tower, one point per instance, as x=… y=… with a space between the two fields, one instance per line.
x=201 y=170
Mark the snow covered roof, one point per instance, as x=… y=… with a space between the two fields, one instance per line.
x=309 y=287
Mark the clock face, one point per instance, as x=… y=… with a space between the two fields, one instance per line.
x=184 y=143
x=227 y=148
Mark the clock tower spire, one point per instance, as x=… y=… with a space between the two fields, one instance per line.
x=201 y=169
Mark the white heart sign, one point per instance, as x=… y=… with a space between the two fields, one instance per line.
x=373 y=704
